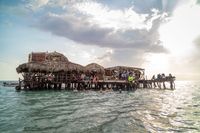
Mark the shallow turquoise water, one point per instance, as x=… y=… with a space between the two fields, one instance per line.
x=145 y=110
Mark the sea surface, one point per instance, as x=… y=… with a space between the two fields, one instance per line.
x=145 y=110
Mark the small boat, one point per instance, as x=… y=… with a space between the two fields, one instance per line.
x=10 y=84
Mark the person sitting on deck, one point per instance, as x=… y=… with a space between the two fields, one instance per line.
x=123 y=75
x=159 y=76
x=163 y=76
x=83 y=76
x=153 y=78
x=50 y=77
x=86 y=81
x=116 y=75
x=95 y=79
x=127 y=74
x=73 y=78
x=170 y=75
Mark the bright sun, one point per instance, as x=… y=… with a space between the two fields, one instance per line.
x=156 y=63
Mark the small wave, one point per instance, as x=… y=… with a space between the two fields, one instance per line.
x=144 y=110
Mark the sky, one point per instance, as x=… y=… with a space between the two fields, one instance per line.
x=162 y=36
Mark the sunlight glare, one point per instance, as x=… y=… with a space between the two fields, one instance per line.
x=178 y=34
x=157 y=63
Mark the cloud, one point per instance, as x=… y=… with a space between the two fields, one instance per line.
x=80 y=30
x=124 y=57
x=107 y=54
x=197 y=41
x=105 y=27
x=36 y=4
x=105 y=58
x=129 y=32
x=182 y=29
x=118 y=19
x=180 y=35
x=156 y=32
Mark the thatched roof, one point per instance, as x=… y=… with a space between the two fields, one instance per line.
x=48 y=66
x=122 y=68
x=75 y=67
x=54 y=62
x=95 y=67
x=57 y=62
x=54 y=66
x=55 y=56
x=31 y=67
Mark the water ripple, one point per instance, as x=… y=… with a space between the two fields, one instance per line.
x=145 y=110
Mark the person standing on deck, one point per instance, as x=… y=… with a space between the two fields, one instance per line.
x=87 y=81
x=163 y=80
x=123 y=75
x=82 y=76
x=172 y=85
x=158 y=80
x=131 y=79
x=94 y=81
x=153 y=81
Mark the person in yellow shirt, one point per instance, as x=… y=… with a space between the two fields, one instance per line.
x=131 y=78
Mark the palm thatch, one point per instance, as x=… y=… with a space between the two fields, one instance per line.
x=57 y=62
x=54 y=66
x=122 y=68
x=55 y=56
x=75 y=67
x=94 y=67
x=32 y=67
x=49 y=67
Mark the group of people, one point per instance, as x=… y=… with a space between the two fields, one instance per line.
x=124 y=75
x=92 y=78
x=161 y=78
x=89 y=78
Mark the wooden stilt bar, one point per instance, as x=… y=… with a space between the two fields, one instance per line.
x=53 y=71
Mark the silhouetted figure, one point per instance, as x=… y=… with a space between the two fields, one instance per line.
x=153 y=81
x=158 y=80
x=163 y=80
x=171 y=81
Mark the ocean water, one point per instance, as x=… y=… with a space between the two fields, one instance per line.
x=145 y=110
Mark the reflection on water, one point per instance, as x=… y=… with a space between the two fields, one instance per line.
x=145 y=110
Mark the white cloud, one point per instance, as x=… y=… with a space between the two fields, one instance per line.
x=36 y=4
x=95 y=24
x=178 y=35
x=105 y=58
x=118 y=19
x=121 y=30
x=125 y=34
x=182 y=29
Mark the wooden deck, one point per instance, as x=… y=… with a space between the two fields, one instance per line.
x=115 y=85
x=54 y=71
